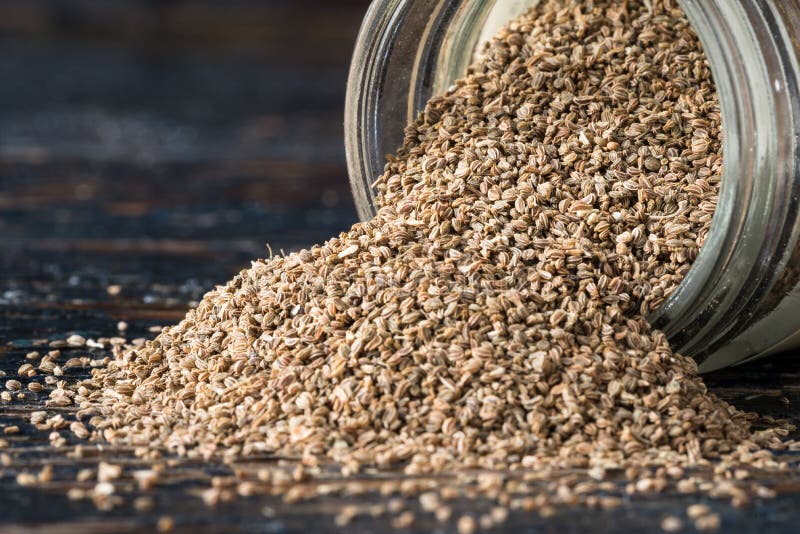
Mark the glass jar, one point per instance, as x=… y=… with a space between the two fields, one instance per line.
x=741 y=298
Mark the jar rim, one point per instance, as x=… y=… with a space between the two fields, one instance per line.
x=746 y=246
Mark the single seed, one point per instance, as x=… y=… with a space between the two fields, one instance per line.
x=499 y=515
x=443 y=513
x=466 y=525
x=76 y=341
x=76 y=494
x=107 y=472
x=165 y=524
x=27 y=479
x=79 y=430
x=707 y=523
x=85 y=475
x=652 y=164
x=104 y=489
x=46 y=474
x=404 y=520
x=143 y=503
x=114 y=290
x=697 y=510
x=671 y=524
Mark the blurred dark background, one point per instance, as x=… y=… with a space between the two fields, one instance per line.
x=147 y=143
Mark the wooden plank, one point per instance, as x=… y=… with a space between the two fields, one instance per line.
x=314 y=30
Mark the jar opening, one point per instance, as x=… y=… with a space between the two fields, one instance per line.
x=410 y=50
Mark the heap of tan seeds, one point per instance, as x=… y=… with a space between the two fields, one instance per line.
x=491 y=315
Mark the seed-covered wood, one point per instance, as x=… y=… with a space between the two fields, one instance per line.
x=489 y=319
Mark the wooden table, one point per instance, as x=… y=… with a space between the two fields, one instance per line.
x=158 y=146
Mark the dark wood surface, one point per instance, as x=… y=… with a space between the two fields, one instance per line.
x=159 y=146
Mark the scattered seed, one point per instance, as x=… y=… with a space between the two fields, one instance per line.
x=85 y=475
x=76 y=341
x=671 y=524
x=707 y=523
x=79 y=430
x=404 y=520
x=114 y=290
x=165 y=524
x=467 y=525
x=443 y=513
x=27 y=479
x=107 y=472
x=697 y=510
x=76 y=494
x=143 y=503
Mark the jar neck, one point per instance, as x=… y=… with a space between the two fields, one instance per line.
x=754 y=230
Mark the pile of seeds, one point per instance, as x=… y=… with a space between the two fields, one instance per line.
x=490 y=316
